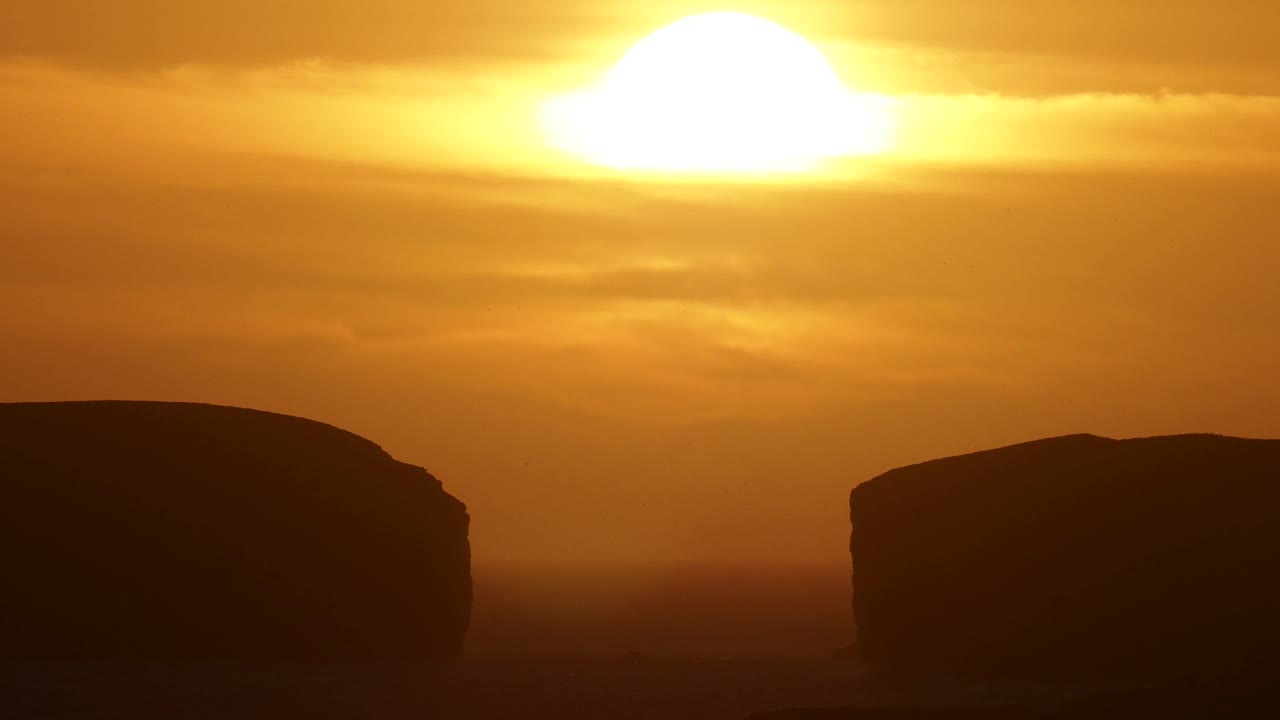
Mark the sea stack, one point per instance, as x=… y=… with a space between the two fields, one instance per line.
x=1073 y=558
x=160 y=531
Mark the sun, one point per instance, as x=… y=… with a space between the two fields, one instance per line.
x=720 y=93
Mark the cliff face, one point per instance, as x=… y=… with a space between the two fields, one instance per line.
x=158 y=530
x=1073 y=557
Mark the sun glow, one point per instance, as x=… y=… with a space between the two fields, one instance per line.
x=720 y=93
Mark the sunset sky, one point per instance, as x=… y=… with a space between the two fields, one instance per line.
x=353 y=212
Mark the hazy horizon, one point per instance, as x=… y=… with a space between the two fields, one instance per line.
x=655 y=612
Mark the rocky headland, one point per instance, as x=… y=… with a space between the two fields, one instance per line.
x=1073 y=559
x=164 y=531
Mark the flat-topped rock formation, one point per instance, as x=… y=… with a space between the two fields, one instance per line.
x=176 y=531
x=1073 y=558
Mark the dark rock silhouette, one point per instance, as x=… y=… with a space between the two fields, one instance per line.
x=1073 y=558
x=177 y=531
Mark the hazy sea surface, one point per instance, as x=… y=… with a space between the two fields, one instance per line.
x=696 y=611
x=470 y=690
x=579 y=642
x=713 y=690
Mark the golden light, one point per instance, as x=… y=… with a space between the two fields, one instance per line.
x=720 y=93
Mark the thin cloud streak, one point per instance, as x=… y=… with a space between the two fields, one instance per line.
x=419 y=118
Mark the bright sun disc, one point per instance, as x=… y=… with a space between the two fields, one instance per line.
x=724 y=92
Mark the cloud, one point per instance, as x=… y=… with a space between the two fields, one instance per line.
x=404 y=214
x=1015 y=47
x=418 y=117
x=666 y=302
x=132 y=35
x=1044 y=46
x=1164 y=131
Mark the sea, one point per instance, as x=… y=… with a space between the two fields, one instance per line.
x=620 y=642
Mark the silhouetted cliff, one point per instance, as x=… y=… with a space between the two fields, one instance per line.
x=157 y=530
x=1077 y=557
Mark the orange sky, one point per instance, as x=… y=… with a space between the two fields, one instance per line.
x=345 y=210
